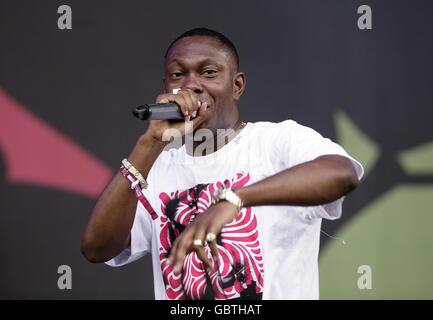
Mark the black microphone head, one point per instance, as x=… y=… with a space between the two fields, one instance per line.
x=141 y=112
x=158 y=111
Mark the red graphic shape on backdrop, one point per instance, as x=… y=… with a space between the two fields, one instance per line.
x=36 y=153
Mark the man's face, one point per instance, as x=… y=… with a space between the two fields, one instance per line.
x=205 y=66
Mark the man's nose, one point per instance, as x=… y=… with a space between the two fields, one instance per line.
x=192 y=83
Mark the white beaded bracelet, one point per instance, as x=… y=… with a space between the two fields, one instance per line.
x=135 y=173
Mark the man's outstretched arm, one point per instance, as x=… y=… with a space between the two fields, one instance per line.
x=320 y=181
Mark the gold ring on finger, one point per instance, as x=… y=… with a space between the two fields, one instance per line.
x=198 y=242
x=210 y=237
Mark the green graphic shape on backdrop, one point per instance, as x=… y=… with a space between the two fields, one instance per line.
x=355 y=142
x=393 y=235
x=418 y=160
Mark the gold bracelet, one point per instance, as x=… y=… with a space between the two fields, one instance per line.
x=226 y=194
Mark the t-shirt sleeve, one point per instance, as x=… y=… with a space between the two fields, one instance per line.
x=141 y=235
x=291 y=144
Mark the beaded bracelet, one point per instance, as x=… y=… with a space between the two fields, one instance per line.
x=137 y=186
x=132 y=170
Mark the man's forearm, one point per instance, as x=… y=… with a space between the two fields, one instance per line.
x=316 y=182
x=108 y=229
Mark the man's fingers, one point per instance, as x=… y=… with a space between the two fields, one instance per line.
x=191 y=107
x=180 y=99
x=173 y=250
x=211 y=236
x=192 y=101
x=179 y=257
x=198 y=246
x=213 y=249
x=201 y=115
x=201 y=253
x=165 y=100
x=195 y=237
x=203 y=107
x=187 y=101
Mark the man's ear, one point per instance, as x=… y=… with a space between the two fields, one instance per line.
x=239 y=82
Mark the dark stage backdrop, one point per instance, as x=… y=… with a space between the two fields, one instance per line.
x=65 y=124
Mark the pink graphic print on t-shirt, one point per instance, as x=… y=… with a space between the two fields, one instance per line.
x=239 y=271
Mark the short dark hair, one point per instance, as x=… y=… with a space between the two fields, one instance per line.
x=208 y=33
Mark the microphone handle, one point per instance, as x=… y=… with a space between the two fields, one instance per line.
x=158 y=111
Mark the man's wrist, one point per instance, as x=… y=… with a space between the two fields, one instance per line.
x=242 y=194
x=145 y=152
x=148 y=139
x=228 y=195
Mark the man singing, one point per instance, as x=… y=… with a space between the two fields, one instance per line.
x=236 y=211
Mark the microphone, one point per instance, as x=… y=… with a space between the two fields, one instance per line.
x=158 y=111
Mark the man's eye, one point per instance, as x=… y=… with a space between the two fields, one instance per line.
x=209 y=72
x=175 y=75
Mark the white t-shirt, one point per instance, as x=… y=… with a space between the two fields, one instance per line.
x=268 y=252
